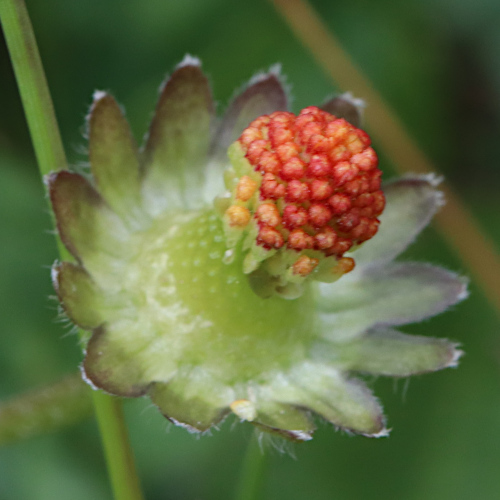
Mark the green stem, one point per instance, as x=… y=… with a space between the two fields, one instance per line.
x=44 y=410
x=121 y=467
x=251 y=476
x=32 y=86
x=49 y=151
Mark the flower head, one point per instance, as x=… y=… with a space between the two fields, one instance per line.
x=206 y=281
x=304 y=191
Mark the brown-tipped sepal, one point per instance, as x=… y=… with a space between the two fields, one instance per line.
x=263 y=95
x=114 y=158
x=89 y=229
x=192 y=399
x=347 y=107
x=284 y=420
x=178 y=141
x=346 y=403
x=328 y=392
x=79 y=295
x=107 y=365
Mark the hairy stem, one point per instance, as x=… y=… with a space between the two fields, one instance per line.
x=49 y=151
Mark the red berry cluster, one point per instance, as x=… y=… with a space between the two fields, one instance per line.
x=320 y=182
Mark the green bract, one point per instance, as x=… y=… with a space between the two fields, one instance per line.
x=172 y=314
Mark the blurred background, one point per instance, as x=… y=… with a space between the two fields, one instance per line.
x=438 y=64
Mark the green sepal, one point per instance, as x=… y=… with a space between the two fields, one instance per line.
x=410 y=205
x=107 y=366
x=192 y=399
x=290 y=422
x=78 y=294
x=325 y=390
x=395 y=294
x=384 y=351
x=114 y=159
x=177 y=145
x=89 y=229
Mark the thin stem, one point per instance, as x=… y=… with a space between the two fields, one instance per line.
x=455 y=220
x=49 y=151
x=32 y=85
x=121 y=467
x=251 y=475
x=44 y=410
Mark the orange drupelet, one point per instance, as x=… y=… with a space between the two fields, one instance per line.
x=268 y=214
x=270 y=237
x=320 y=184
x=304 y=265
x=246 y=188
x=238 y=216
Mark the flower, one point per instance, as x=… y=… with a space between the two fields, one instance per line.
x=202 y=312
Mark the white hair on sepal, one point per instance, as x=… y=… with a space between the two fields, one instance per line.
x=355 y=101
x=189 y=60
x=271 y=443
x=274 y=70
x=258 y=77
x=433 y=179
x=97 y=96
x=404 y=390
x=72 y=332
x=87 y=380
x=62 y=318
x=457 y=353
